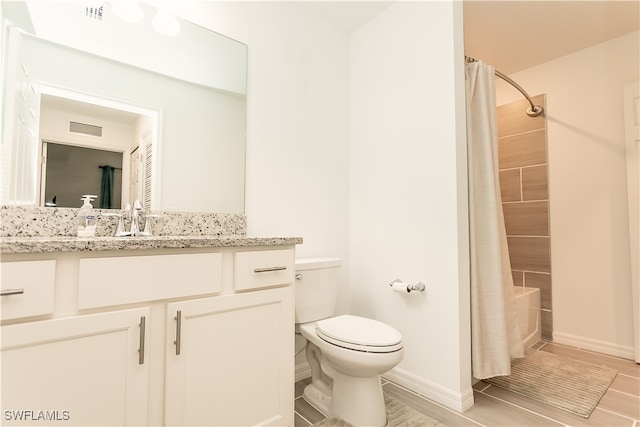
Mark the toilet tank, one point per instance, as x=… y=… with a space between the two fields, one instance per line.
x=316 y=288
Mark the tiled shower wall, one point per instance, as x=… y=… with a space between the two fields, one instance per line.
x=522 y=150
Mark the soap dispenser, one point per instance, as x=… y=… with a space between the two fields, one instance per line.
x=87 y=218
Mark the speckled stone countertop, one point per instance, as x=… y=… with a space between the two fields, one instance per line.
x=37 y=230
x=20 y=245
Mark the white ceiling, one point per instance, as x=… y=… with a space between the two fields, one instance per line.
x=50 y=102
x=347 y=15
x=515 y=35
x=511 y=35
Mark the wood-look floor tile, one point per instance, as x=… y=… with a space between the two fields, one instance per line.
x=597 y=418
x=307 y=411
x=621 y=403
x=625 y=366
x=490 y=411
x=619 y=407
x=430 y=409
x=480 y=385
x=626 y=384
x=300 y=385
x=300 y=422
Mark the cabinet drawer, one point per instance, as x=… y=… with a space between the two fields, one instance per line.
x=28 y=288
x=262 y=269
x=124 y=280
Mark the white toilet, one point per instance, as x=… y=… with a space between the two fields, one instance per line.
x=346 y=353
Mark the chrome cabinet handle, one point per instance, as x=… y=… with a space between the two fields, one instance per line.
x=8 y=292
x=178 y=331
x=142 y=333
x=266 y=269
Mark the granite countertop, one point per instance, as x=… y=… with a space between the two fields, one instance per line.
x=20 y=245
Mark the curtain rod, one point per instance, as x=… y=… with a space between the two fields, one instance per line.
x=534 y=110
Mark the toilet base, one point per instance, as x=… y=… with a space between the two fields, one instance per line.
x=359 y=401
x=317 y=398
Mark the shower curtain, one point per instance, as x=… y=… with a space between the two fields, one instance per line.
x=495 y=332
x=106 y=187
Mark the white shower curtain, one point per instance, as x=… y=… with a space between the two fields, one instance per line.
x=495 y=332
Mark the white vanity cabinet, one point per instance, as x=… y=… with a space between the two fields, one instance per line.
x=230 y=361
x=80 y=370
x=153 y=337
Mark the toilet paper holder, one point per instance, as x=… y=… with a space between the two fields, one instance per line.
x=399 y=286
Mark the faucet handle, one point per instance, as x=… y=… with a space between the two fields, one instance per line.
x=120 y=227
x=147 y=224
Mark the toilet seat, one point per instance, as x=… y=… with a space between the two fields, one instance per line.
x=359 y=334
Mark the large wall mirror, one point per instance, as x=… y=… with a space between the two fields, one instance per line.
x=93 y=101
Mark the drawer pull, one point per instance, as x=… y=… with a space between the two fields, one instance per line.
x=8 y=292
x=178 y=331
x=142 y=333
x=267 y=269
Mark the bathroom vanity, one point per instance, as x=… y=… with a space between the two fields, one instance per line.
x=148 y=331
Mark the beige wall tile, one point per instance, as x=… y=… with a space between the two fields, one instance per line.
x=529 y=253
x=546 y=325
x=512 y=117
x=534 y=183
x=518 y=278
x=542 y=282
x=526 y=218
x=524 y=149
x=510 y=185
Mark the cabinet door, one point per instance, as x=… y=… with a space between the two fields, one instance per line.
x=82 y=370
x=235 y=363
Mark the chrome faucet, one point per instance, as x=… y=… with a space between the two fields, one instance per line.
x=135 y=219
x=135 y=228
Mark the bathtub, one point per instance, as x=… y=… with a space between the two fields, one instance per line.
x=528 y=309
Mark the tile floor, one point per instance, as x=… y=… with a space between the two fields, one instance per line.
x=620 y=406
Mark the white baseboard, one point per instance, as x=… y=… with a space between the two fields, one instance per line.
x=593 y=345
x=458 y=402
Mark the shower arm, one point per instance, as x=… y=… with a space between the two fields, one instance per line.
x=534 y=110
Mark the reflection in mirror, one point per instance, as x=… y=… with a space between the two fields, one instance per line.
x=177 y=121
x=125 y=131
x=70 y=170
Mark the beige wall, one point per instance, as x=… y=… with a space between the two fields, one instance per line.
x=587 y=191
x=522 y=150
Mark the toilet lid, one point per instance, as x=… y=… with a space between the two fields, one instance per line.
x=359 y=333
